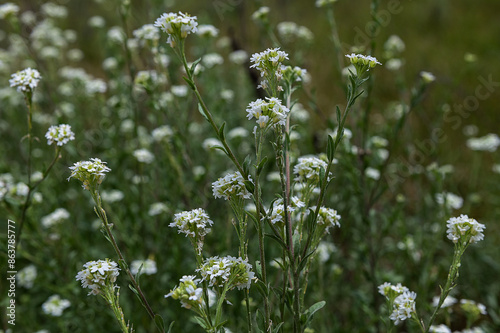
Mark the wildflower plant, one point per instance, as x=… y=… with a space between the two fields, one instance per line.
x=100 y=277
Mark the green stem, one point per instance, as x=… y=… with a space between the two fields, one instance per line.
x=102 y=215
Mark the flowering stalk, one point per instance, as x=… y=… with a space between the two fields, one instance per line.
x=463 y=231
x=92 y=173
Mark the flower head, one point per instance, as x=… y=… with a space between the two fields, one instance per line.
x=25 y=80
x=267 y=113
x=195 y=224
x=464 y=229
x=362 y=63
x=56 y=217
x=144 y=156
x=61 y=134
x=8 y=9
x=187 y=292
x=26 y=276
x=231 y=186
x=327 y=218
x=219 y=271
x=97 y=275
x=91 y=173
x=403 y=307
x=391 y=291
x=307 y=170
x=177 y=26
x=489 y=142
x=55 y=305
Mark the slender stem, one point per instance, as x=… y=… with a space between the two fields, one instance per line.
x=102 y=215
x=336 y=39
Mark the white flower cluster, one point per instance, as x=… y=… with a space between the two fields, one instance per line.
x=192 y=223
x=90 y=173
x=230 y=186
x=177 y=26
x=219 y=271
x=144 y=156
x=55 y=305
x=451 y=200
x=464 y=229
x=25 y=80
x=269 y=62
x=328 y=218
x=7 y=9
x=290 y=31
x=207 y=31
x=112 y=196
x=147 y=32
x=161 y=133
x=489 y=142
x=471 y=306
x=324 y=3
x=391 y=291
x=307 y=169
x=61 y=134
x=439 y=329
x=277 y=215
x=56 y=217
x=363 y=59
x=97 y=275
x=403 y=307
x=267 y=113
x=148 y=267
x=26 y=276
x=187 y=292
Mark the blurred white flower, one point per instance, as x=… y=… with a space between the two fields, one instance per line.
x=55 y=305
x=144 y=156
x=489 y=142
x=451 y=200
x=148 y=267
x=26 y=276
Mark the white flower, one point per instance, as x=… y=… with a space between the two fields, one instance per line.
x=211 y=143
x=53 y=10
x=230 y=186
x=391 y=291
x=187 y=292
x=362 y=63
x=448 y=301
x=148 y=267
x=55 y=305
x=157 y=208
x=212 y=59
x=394 y=44
x=327 y=218
x=219 y=271
x=439 y=329
x=238 y=57
x=403 y=307
x=394 y=64
x=162 y=133
x=268 y=113
x=61 y=134
x=7 y=9
x=97 y=275
x=194 y=223
x=26 y=276
x=91 y=173
x=96 y=22
x=268 y=62
x=324 y=250
x=307 y=169
x=93 y=86
x=179 y=91
x=147 y=32
x=112 y=196
x=261 y=14
x=324 y=3
x=472 y=306
x=372 y=173
x=451 y=200
x=56 y=217
x=25 y=80
x=144 y=156
x=465 y=229
x=177 y=26
x=489 y=142
x=427 y=77
x=207 y=31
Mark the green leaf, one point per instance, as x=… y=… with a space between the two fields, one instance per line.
x=202 y=112
x=303 y=262
x=279 y=240
x=277 y=328
x=330 y=148
x=190 y=83
x=249 y=186
x=258 y=269
x=261 y=165
x=170 y=327
x=193 y=66
x=312 y=310
x=160 y=323
x=246 y=164
x=221 y=132
x=321 y=176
